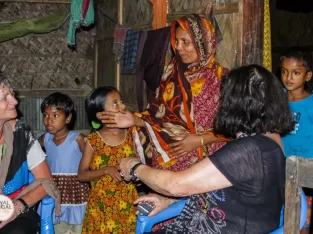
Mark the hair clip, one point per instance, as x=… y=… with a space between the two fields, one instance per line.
x=95 y=124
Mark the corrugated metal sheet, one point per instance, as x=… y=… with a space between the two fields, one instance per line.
x=29 y=110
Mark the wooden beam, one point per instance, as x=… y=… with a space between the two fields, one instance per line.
x=228 y=9
x=118 y=65
x=37 y=93
x=38 y=1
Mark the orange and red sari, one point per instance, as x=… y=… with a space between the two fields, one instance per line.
x=186 y=101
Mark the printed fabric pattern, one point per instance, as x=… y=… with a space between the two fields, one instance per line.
x=201 y=215
x=110 y=205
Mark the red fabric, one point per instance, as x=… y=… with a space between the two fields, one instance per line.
x=85 y=8
x=15 y=194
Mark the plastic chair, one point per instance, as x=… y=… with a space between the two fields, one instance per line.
x=303 y=215
x=45 y=210
x=145 y=223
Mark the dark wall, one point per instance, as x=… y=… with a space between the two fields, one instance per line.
x=290 y=29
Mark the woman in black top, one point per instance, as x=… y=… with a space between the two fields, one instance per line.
x=240 y=188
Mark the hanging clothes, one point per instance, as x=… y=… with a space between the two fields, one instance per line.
x=130 y=52
x=119 y=41
x=82 y=14
x=150 y=63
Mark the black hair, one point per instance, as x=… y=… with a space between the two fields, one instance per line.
x=306 y=59
x=303 y=56
x=60 y=101
x=252 y=101
x=95 y=101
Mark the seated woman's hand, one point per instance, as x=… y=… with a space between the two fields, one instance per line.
x=18 y=206
x=125 y=165
x=158 y=201
x=184 y=146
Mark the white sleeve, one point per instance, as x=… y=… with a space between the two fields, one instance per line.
x=35 y=156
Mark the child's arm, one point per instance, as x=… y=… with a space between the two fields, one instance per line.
x=81 y=142
x=84 y=172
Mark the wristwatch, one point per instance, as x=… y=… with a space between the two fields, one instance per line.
x=26 y=207
x=132 y=172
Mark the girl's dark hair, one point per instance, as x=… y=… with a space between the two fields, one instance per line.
x=95 y=102
x=252 y=101
x=60 y=101
x=304 y=57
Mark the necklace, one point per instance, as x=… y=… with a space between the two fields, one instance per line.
x=59 y=138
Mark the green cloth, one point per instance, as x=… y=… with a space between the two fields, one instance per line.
x=76 y=19
x=20 y=28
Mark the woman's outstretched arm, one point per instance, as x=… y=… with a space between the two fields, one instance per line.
x=200 y=178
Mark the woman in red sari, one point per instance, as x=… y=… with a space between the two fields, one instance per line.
x=175 y=131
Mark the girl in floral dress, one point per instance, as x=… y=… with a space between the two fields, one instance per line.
x=109 y=207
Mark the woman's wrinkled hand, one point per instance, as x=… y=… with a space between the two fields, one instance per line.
x=121 y=119
x=114 y=173
x=158 y=201
x=125 y=165
x=184 y=146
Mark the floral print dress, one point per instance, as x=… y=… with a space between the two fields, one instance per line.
x=110 y=208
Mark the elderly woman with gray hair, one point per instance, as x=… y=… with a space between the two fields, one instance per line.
x=20 y=153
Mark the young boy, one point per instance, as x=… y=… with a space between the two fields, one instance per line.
x=296 y=73
x=64 y=151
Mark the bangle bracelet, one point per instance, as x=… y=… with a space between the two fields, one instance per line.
x=201 y=141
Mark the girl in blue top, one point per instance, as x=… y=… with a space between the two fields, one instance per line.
x=64 y=151
x=296 y=74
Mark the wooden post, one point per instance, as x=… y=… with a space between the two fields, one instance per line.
x=292 y=197
x=118 y=65
x=252 y=31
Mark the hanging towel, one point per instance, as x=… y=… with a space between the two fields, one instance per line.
x=152 y=61
x=119 y=41
x=130 y=52
x=77 y=20
x=140 y=89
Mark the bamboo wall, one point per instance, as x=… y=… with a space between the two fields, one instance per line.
x=43 y=63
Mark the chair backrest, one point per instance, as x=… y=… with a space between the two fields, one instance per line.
x=303 y=215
